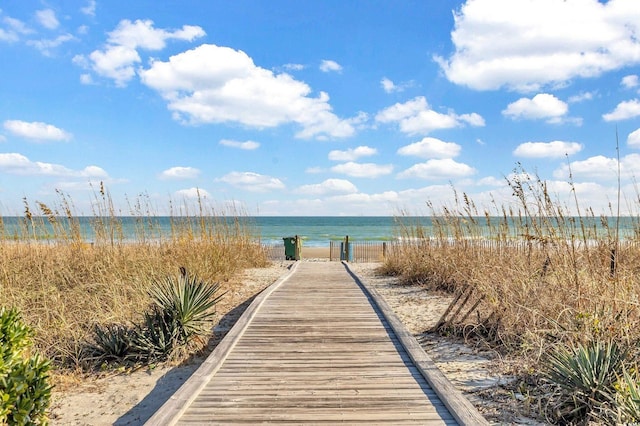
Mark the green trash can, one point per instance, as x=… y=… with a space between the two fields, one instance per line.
x=290 y=244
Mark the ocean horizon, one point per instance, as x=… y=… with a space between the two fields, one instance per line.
x=315 y=231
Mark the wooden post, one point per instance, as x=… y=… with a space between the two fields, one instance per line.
x=298 y=248
x=384 y=249
x=346 y=248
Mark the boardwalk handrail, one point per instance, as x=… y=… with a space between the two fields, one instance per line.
x=459 y=406
x=174 y=407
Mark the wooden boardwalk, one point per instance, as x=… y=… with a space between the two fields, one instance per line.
x=318 y=347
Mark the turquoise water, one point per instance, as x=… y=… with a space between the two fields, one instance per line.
x=318 y=231
x=315 y=231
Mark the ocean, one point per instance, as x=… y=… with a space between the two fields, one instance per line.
x=315 y=231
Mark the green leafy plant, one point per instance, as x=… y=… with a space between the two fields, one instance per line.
x=586 y=377
x=24 y=389
x=187 y=302
x=628 y=400
x=112 y=342
x=156 y=338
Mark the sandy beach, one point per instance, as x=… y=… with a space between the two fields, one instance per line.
x=131 y=397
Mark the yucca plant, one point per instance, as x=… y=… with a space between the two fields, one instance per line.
x=186 y=302
x=112 y=342
x=628 y=401
x=156 y=338
x=586 y=377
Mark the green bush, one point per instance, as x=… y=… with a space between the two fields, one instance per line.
x=587 y=378
x=180 y=310
x=24 y=389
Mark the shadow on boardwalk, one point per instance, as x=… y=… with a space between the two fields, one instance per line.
x=174 y=378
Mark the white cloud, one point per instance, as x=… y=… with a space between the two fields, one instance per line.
x=86 y=79
x=19 y=164
x=212 y=84
x=329 y=186
x=45 y=46
x=526 y=45
x=416 y=117
x=629 y=81
x=90 y=8
x=179 y=172
x=14 y=28
x=541 y=106
x=445 y=168
x=633 y=140
x=431 y=148
x=555 y=149
x=36 y=130
x=352 y=154
x=391 y=87
x=363 y=170
x=47 y=18
x=328 y=65
x=293 y=67
x=247 y=145
x=116 y=61
x=601 y=167
x=624 y=110
x=192 y=194
x=580 y=97
x=253 y=182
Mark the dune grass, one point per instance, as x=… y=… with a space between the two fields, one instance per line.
x=529 y=279
x=67 y=277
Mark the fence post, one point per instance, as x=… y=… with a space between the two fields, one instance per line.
x=346 y=248
x=384 y=249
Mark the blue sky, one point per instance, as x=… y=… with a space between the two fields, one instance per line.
x=288 y=107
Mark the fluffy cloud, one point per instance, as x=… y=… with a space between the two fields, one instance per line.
x=327 y=66
x=90 y=8
x=416 y=117
x=633 y=139
x=13 y=29
x=600 y=167
x=526 y=45
x=541 y=106
x=363 y=170
x=36 y=130
x=45 y=45
x=19 y=164
x=180 y=173
x=391 y=87
x=253 y=182
x=192 y=194
x=329 y=186
x=352 y=154
x=213 y=84
x=629 y=81
x=247 y=145
x=624 y=111
x=445 y=168
x=118 y=58
x=47 y=18
x=555 y=149
x=431 y=148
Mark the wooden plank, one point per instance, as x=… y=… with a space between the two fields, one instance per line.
x=315 y=348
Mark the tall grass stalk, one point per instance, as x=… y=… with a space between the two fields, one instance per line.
x=67 y=283
x=542 y=272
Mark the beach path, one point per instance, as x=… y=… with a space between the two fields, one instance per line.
x=318 y=346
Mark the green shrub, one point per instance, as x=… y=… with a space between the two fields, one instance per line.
x=180 y=310
x=628 y=400
x=587 y=378
x=24 y=389
x=187 y=303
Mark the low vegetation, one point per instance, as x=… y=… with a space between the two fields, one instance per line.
x=530 y=279
x=96 y=297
